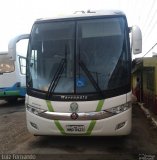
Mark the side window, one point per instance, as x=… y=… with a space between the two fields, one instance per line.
x=6 y=65
x=33 y=63
x=22 y=63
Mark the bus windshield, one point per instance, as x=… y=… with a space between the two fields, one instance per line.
x=79 y=56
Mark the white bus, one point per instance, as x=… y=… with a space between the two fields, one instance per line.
x=79 y=75
x=12 y=77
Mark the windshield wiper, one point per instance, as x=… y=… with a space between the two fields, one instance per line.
x=90 y=77
x=57 y=75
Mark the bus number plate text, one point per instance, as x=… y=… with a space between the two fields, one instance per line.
x=75 y=128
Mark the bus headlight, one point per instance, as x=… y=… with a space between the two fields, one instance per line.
x=35 y=110
x=120 y=109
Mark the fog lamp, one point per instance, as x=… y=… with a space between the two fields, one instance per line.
x=120 y=125
x=34 y=125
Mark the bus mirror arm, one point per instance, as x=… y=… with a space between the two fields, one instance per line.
x=12 y=45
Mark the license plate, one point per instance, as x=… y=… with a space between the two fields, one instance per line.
x=75 y=128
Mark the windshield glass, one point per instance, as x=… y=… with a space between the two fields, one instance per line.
x=6 y=65
x=51 y=45
x=84 y=56
x=101 y=48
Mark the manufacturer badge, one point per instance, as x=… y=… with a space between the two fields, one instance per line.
x=74 y=116
x=74 y=107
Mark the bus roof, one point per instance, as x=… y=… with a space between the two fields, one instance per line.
x=82 y=14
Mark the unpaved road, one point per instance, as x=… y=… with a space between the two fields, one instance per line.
x=15 y=139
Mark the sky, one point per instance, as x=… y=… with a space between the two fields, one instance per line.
x=17 y=16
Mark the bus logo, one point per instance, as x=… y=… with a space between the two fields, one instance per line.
x=74 y=116
x=74 y=107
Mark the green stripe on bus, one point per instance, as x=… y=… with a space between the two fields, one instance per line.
x=49 y=105
x=60 y=128
x=57 y=123
x=100 y=105
x=90 y=128
x=9 y=93
x=93 y=122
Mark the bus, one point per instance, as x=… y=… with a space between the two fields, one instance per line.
x=79 y=74
x=12 y=77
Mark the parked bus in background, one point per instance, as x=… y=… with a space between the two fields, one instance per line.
x=79 y=74
x=12 y=76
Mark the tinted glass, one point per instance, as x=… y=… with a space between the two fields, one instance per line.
x=85 y=56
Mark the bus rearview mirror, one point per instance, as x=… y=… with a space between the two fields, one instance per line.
x=136 y=40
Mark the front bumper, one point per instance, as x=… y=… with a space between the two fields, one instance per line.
x=119 y=124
